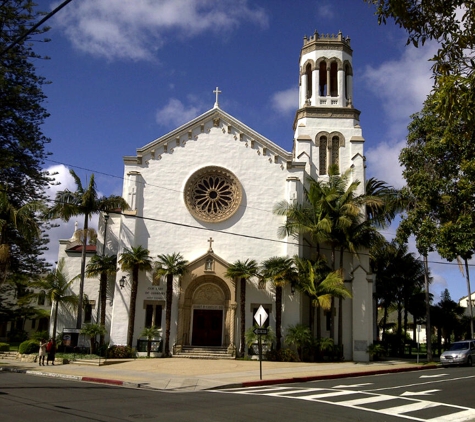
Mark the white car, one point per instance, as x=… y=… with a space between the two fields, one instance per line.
x=459 y=353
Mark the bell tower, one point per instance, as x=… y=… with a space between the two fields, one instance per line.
x=326 y=125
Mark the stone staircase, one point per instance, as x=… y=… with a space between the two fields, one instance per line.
x=9 y=355
x=204 y=352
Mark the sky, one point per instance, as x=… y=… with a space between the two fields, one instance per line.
x=124 y=73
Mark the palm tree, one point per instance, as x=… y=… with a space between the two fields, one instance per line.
x=335 y=214
x=280 y=271
x=320 y=284
x=243 y=271
x=151 y=333
x=21 y=219
x=102 y=266
x=92 y=331
x=58 y=290
x=84 y=201
x=134 y=260
x=170 y=265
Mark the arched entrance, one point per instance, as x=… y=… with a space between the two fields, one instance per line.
x=207 y=316
x=206 y=312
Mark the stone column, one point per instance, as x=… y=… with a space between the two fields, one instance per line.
x=341 y=88
x=303 y=90
x=315 y=86
x=232 y=323
x=329 y=88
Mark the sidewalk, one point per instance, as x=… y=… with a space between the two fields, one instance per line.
x=180 y=374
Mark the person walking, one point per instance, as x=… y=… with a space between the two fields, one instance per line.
x=42 y=352
x=51 y=350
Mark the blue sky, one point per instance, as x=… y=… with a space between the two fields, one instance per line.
x=126 y=72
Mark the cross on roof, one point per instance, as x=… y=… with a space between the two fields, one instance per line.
x=217 y=92
x=210 y=244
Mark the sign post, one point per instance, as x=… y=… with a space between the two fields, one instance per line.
x=260 y=317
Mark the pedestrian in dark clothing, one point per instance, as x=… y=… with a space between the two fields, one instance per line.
x=51 y=350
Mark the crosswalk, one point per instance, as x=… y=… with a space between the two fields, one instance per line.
x=403 y=407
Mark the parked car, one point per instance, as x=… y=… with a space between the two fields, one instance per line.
x=459 y=353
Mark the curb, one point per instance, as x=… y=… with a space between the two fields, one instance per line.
x=234 y=385
x=333 y=376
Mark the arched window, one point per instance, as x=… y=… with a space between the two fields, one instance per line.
x=41 y=298
x=334 y=79
x=323 y=155
x=335 y=158
x=347 y=81
x=308 y=72
x=322 y=83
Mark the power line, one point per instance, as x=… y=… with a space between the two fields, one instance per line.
x=34 y=27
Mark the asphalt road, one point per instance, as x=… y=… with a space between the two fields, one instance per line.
x=438 y=395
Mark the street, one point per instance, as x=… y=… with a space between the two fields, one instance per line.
x=446 y=394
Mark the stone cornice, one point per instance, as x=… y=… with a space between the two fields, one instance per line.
x=326 y=113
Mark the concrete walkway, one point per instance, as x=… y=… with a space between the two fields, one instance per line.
x=180 y=374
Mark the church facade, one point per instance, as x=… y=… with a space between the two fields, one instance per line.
x=207 y=190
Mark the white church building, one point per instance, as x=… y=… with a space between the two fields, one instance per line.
x=208 y=189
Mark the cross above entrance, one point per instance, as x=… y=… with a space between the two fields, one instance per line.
x=217 y=92
x=210 y=244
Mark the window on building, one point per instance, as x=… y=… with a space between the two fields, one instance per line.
x=334 y=79
x=87 y=313
x=33 y=323
x=41 y=298
x=323 y=155
x=322 y=83
x=335 y=158
x=308 y=72
x=153 y=315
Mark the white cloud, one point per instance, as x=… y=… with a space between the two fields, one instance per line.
x=286 y=101
x=325 y=10
x=383 y=160
x=175 y=113
x=130 y=29
x=402 y=85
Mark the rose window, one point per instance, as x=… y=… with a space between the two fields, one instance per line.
x=213 y=194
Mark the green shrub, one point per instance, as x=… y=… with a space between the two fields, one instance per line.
x=283 y=355
x=4 y=347
x=29 y=347
x=121 y=352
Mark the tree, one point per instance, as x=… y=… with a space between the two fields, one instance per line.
x=280 y=271
x=320 y=284
x=299 y=336
x=22 y=143
x=102 y=266
x=243 y=271
x=333 y=213
x=92 y=331
x=450 y=317
x=134 y=260
x=58 y=291
x=84 y=201
x=151 y=333
x=170 y=265
x=439 y=162
x=451 y=23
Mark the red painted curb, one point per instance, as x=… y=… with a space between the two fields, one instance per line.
x=333 y=376
x=102 y=381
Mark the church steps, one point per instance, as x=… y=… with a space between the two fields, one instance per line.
x=203 y=352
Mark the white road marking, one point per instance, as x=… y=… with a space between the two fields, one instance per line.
x=419 y=393
x=433 y=376
x=459 y=414
x=353 y=385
